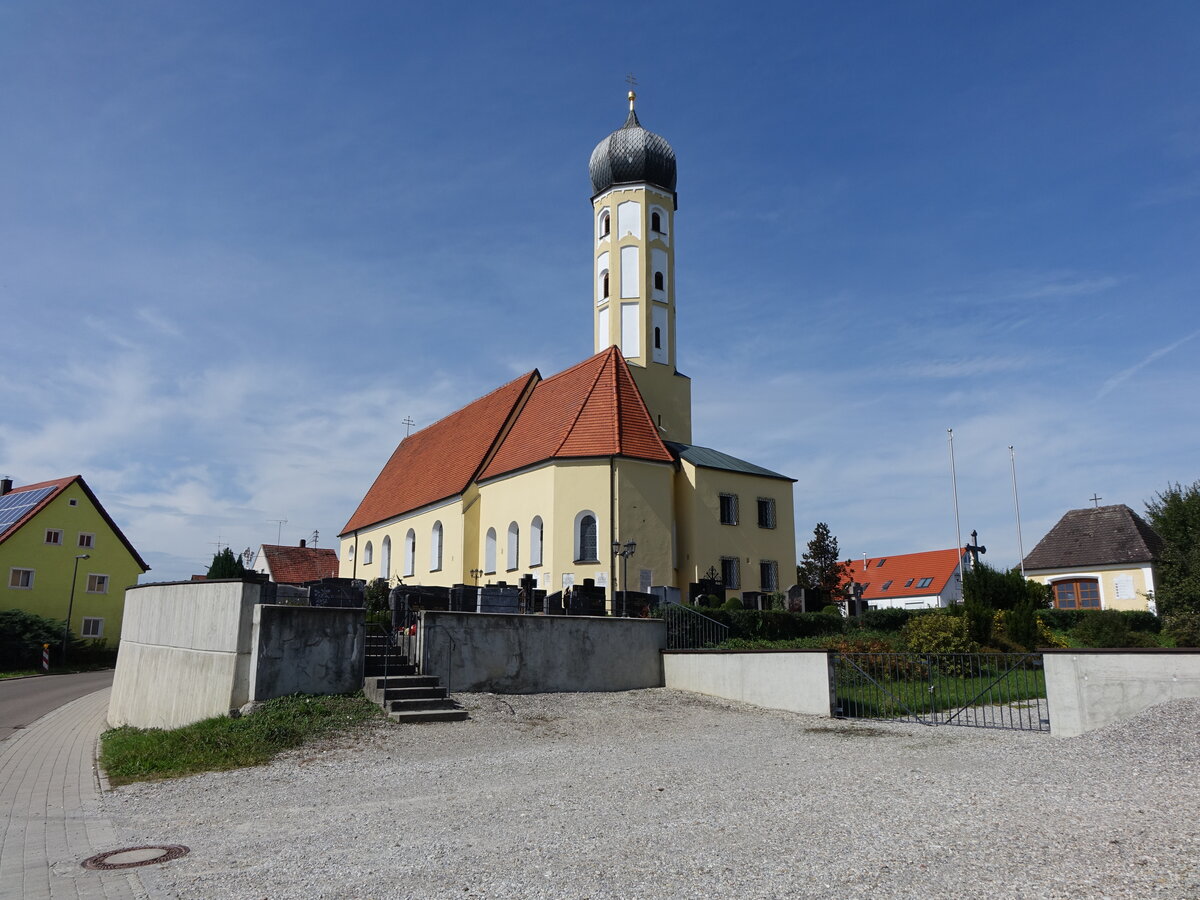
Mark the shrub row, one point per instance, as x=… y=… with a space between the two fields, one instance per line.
x=1067 y=619
x=775 y=625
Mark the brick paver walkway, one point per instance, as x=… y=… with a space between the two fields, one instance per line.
x=52 y=813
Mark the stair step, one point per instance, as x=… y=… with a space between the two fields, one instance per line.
x=415 y=693
x=406 y=681
x=442 y=702
x=429 y=715
x=393 y=670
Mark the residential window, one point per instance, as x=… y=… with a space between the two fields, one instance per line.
x=924 y=582
x=54 y=536
x=97 y=584
x=1078 y=593
x=731 y=572
x=886 y=585
x=908 y=583
x=489 y=552
x=435 y=548
x=586 y=547
x=766 y=512
x=729 y=509
x=881 y=562
x=92 y=627
x=73 y=502
x=22 y=579
x=768 y=575
x=535 y=541
x=514 y=547
x=86 y=540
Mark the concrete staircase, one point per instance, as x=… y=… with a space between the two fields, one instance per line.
x=390 y=680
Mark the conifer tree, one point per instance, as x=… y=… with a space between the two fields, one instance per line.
x=819 y=569
x=226 y=565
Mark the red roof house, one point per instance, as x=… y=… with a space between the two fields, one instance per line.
x=910 y=580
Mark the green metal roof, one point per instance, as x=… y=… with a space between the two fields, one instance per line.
x=708 y=458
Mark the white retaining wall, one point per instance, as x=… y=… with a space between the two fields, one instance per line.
x=793 y=680
x=185 y=653
x=1088 y=689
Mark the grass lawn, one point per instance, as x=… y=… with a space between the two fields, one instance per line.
x=135 y=754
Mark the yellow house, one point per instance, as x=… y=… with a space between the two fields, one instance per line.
x=549 y=476
x=56 y=531
x=1099 y=558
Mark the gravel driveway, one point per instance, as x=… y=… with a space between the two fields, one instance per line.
x=661 y=793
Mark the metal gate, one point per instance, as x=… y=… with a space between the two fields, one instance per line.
x=980 y=690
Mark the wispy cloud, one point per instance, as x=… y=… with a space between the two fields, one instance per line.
x=1125 y=374
x=1176 y=192
x=1067 y=287
x=964 y=367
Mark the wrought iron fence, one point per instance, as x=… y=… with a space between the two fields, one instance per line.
x=980 y=690
x=690 y=630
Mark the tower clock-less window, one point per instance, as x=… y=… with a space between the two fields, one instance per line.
x=729 y=509
x=766 y=512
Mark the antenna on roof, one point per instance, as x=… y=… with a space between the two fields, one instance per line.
x=408 y=423
x=315 y=536
x=279 y=530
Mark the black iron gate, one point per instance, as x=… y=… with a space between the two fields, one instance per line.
x=980 y=690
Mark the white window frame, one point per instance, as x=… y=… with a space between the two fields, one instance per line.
x=513 y=556
x=436 y=536
x=13 y=577
x=97 y=628
x=97 y=575
x=536 y=541
x=385 y=557
x=489 y=552
x=90 y=544
x=410 y=553
x=58 y=537
x=368 y=554
x=576 y=546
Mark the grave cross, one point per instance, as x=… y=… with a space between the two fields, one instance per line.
x=975 y=550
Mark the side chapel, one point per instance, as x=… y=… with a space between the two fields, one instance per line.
x=546 y=476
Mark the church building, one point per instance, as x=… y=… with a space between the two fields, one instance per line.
x=549 y=476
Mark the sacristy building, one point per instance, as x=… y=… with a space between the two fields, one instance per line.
x=543 y=476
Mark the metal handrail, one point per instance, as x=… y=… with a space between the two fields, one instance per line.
x=680 y=628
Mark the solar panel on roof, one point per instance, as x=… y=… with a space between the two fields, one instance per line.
x=14 y=505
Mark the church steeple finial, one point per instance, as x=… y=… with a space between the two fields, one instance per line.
x=632 y=97
x=632 y=82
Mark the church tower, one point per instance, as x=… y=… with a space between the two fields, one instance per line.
x=633 y=205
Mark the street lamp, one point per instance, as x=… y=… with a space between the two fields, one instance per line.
x=475 y=573
x=624 y=551
x=71 y=605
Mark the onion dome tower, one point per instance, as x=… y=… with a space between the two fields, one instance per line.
x=633 y=203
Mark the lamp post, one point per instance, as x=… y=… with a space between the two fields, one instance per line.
x=624 y=552
x=475 y=573
x=71 y=604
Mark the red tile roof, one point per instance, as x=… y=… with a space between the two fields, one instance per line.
x=441 y=460
x=592 y=409
x=939 y=565
x=60 y=485
x=297 y=565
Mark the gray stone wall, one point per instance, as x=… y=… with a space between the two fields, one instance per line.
x=306 y=650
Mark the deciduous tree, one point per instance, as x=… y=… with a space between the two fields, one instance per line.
x=1175 y=516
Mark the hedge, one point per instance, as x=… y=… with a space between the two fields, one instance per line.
x=1067 y=619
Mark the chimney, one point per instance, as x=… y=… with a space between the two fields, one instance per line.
x=5 y=486
x=303 y=543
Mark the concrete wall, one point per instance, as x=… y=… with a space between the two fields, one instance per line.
x=510 y=654
x=1088 y=689
x=185 y=653
x=306 y=650
x=794 y=680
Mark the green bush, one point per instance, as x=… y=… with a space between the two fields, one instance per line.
x=1183 y=627
x=1102 y=628
x=1060 y=619
x=886 y=619
x=938 y=633
x=774 y=625
x=1142 y=620
x=733 y=604
x=831 y=609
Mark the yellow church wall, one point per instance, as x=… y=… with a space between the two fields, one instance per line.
x=54 y=564
x=1121 y=586
x=452 y=571
x=645 y=504
x=704 y=539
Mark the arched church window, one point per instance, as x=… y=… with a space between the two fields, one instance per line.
x=535 y=541
x=604 y=285
x=658 y=281
x=385 y=558
x=410 y=552
x=605 y=224
x=435 y=548
x=368 y=554
x=513 y=556
x=489 y=552
x=350 y=552
x=585 y=537
x=656 y=222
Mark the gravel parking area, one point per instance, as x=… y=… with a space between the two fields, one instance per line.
x=661 y=793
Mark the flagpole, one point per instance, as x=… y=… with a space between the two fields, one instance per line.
x=954 y=486
x=1012 y=458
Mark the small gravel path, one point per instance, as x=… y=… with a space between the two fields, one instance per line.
x=661 y=793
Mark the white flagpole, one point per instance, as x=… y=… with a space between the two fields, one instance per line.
x=1012 y=458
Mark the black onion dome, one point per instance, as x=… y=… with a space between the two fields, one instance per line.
x=631 y=154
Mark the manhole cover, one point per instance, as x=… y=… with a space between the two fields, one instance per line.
x=130 y=857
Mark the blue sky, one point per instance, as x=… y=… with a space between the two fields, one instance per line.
x=240 y=243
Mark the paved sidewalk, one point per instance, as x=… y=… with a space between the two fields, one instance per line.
x=52 y=813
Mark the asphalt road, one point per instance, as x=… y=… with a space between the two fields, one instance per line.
x=25 y=700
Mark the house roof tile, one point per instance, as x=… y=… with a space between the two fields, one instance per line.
x=441 y=460
x=1097 y=536
x=591 y=409
x=905 y=572
x=297 y=565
